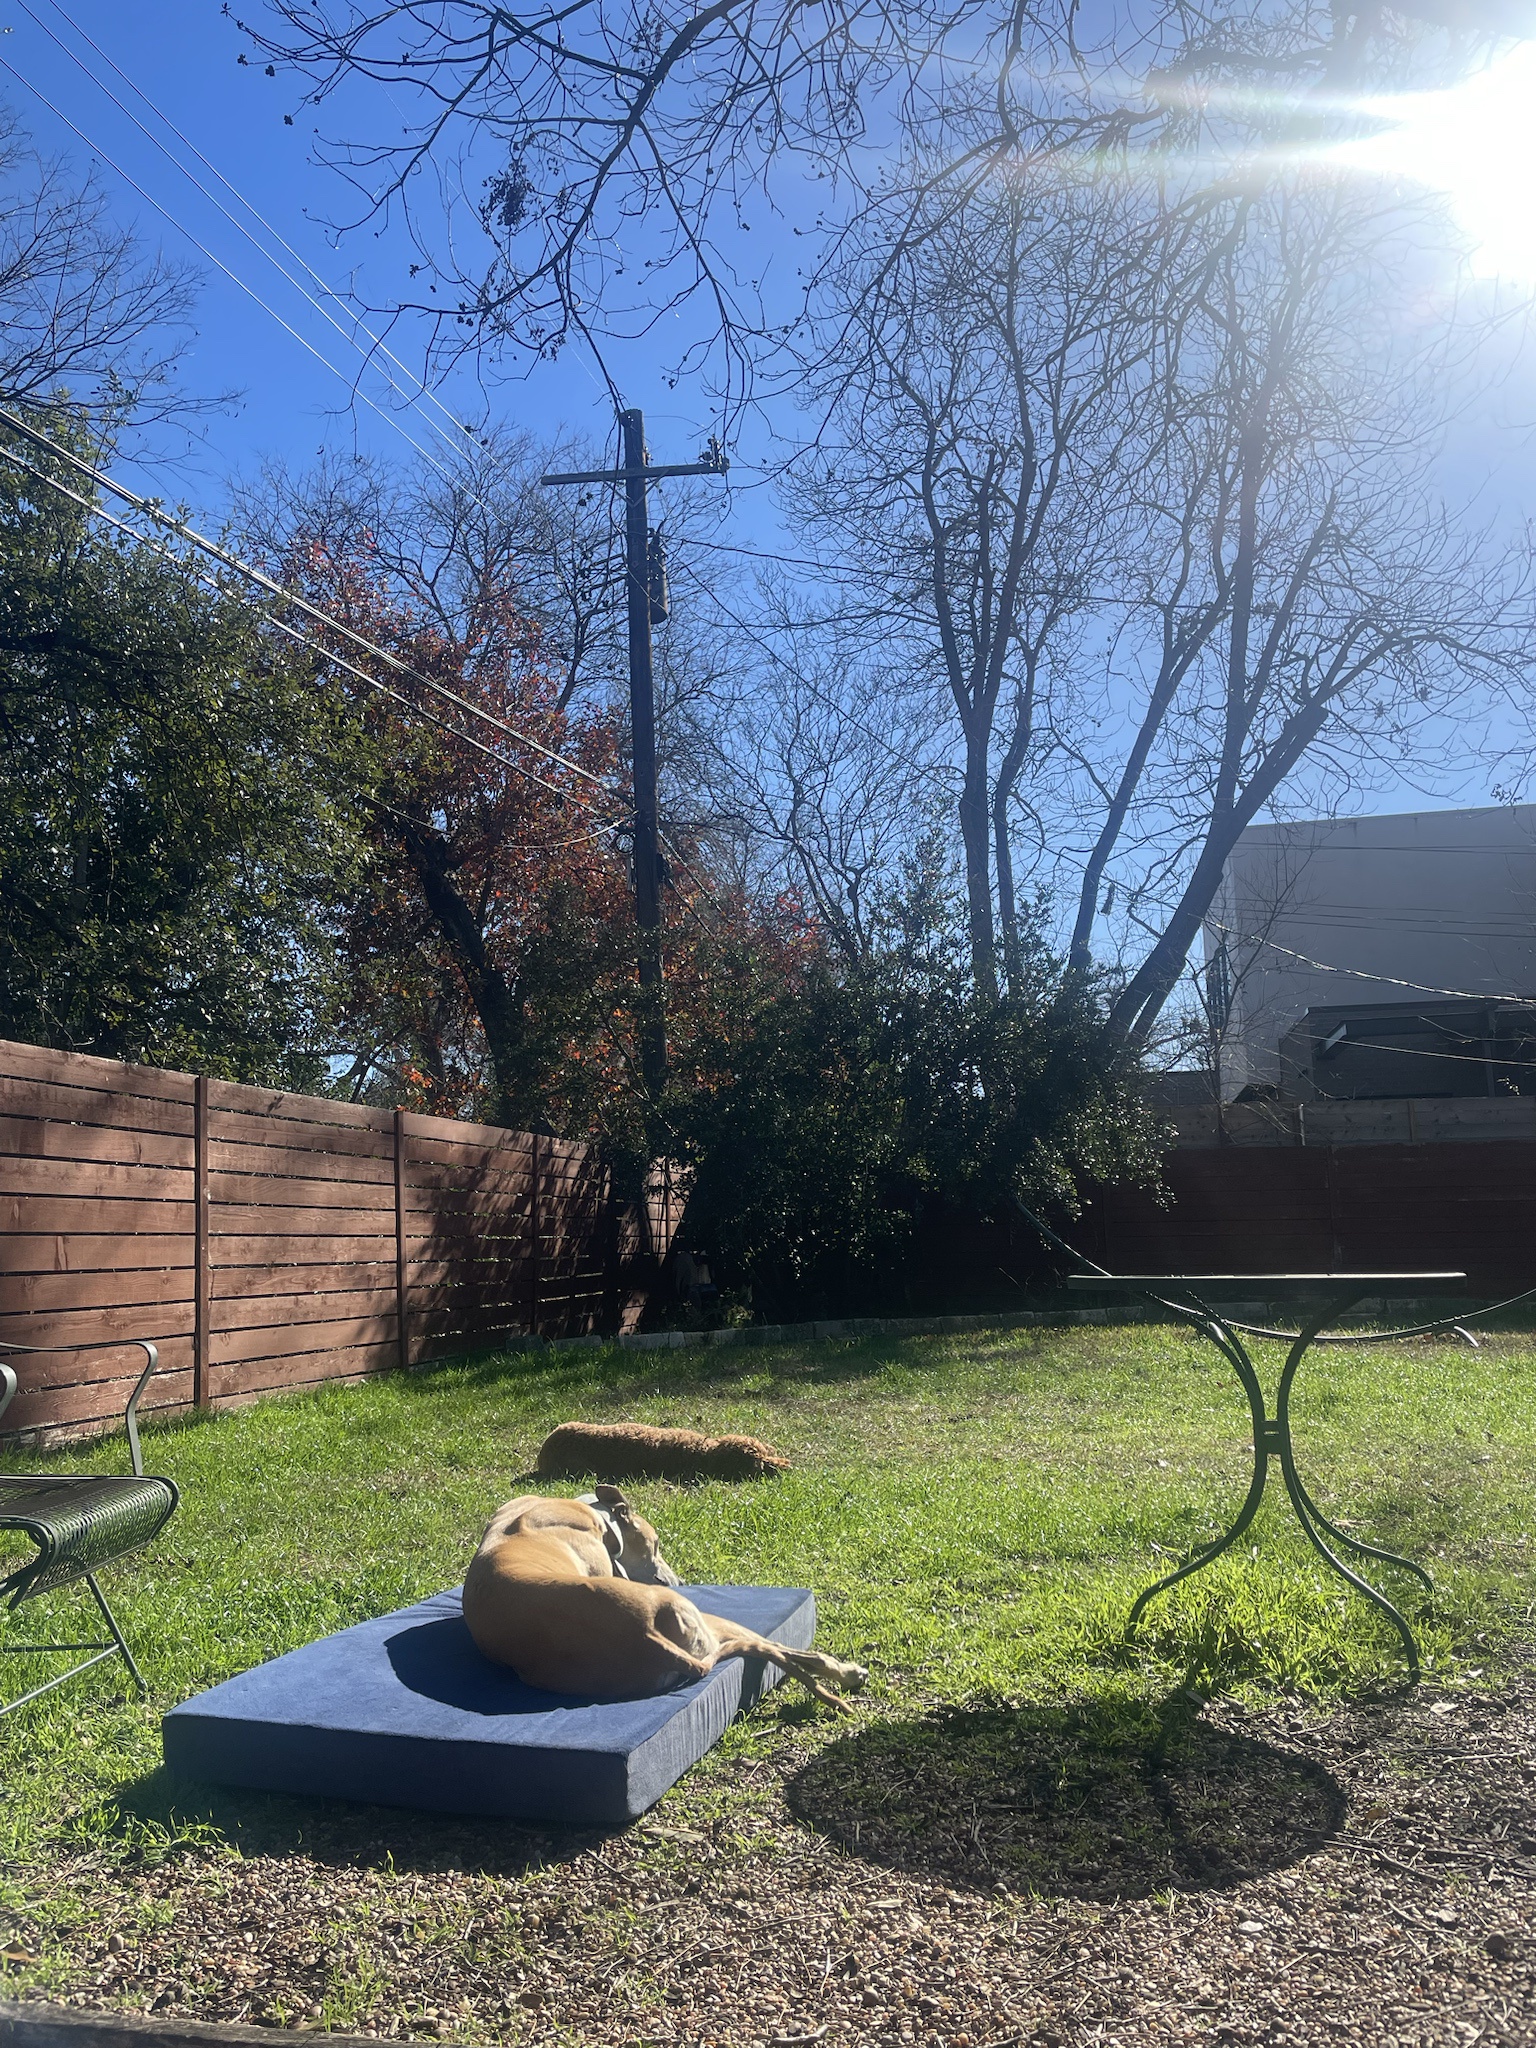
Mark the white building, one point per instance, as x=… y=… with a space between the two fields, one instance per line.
x=1403 y=928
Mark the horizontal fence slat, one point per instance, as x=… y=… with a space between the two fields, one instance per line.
x=283 y=1191
x=97 y=1405
x=96 y=1107
x=254 y=1219
x=33 y=1137
x=83 y=1070
x=154 y=1320
x=225 y=1156
x=438 y=1130
x=290 y=1311
x=281 y=1252
x=34 y=1213
x=300 y=1109
x=268 y=1375
x=30 y=1293
x=61 y=1251
x=242 y=1127
x=92 y=1177
x=447 y=1178
x=258 y=1283
x=115 y=1362
x=289 y=1339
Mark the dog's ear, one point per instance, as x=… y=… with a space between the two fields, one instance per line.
x=611 y=1497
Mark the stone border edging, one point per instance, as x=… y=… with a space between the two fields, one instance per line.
x=28 y=2024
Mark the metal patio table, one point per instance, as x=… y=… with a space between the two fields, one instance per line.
x=1321 y=1298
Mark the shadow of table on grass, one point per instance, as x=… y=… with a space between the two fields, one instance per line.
x=1090 y=1801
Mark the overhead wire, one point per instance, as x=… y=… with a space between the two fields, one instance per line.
x=378 y=346
x=147 y=508
x=424 y=391
x=1481 y=995
x=326 y=654
x=219 y=264
x=340 y=327
x=929 y=769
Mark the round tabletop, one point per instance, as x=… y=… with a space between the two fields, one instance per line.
x=1270 y=1286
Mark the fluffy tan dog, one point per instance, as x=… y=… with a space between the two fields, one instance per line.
x=575 y=1596
x=634 y=1450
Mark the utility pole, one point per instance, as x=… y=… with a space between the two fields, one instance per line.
x=644 y=577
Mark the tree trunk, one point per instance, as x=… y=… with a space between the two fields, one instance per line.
x=497 y=1003
x=976 y=834
x=1009 y=770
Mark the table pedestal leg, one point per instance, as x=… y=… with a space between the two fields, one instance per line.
x=1228 y=1344
x=1272 y=1439
x=1314 y=1522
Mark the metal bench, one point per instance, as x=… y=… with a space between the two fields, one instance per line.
x=79 y=1522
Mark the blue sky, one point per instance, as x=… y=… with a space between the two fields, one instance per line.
x=183 y=55
x=266 y=348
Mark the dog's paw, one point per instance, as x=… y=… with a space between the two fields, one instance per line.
x=846 y=1677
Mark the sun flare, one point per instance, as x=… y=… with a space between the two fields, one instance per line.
x=1476 y=143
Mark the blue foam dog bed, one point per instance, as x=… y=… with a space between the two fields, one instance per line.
x=404 y=1711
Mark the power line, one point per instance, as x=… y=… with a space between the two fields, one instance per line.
x=326 y=654
x=929 y=769
x=377 y=341
x=148 y=509
x=1414 y=1052
x=1481 y=995
x=219 y=263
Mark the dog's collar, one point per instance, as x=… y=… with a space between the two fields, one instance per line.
x=613 y=1535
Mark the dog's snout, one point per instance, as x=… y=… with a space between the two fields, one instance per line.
x=665 y=1574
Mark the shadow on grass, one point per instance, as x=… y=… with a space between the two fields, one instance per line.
x=610 y=1377
x=1094 y=1801
x=340 y=1833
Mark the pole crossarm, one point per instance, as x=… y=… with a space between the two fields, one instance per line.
x=716 y=466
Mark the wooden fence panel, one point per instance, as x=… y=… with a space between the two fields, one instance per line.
x=1352 y=1207
x=267 y=1241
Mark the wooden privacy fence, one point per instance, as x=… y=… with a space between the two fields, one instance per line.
x=1315 y=1208
x=266 y=1240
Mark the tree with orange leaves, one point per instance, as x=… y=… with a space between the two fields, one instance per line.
x=484 y=963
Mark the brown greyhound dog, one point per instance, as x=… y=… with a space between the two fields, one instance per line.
x=575 y=1596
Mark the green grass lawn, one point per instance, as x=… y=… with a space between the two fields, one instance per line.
x=974 y=1513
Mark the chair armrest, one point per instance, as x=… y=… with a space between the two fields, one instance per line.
x=130 y=1414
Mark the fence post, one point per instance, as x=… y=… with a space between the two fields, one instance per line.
x=535 y=1225
x=402 y=1301
x=610 y=1309
x=202 y=1277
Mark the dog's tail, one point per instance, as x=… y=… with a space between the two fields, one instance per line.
x=827 y=1677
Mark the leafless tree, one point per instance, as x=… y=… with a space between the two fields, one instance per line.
x=1311 y=606
x=977 y=391
x=1206 y=410
x=563 y=136
x=85 y=310
x=582 y=169
x=825 y=774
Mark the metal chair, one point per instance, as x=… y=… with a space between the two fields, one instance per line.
x=79 y=1522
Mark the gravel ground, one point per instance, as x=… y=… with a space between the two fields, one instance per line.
x=991 y=1876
